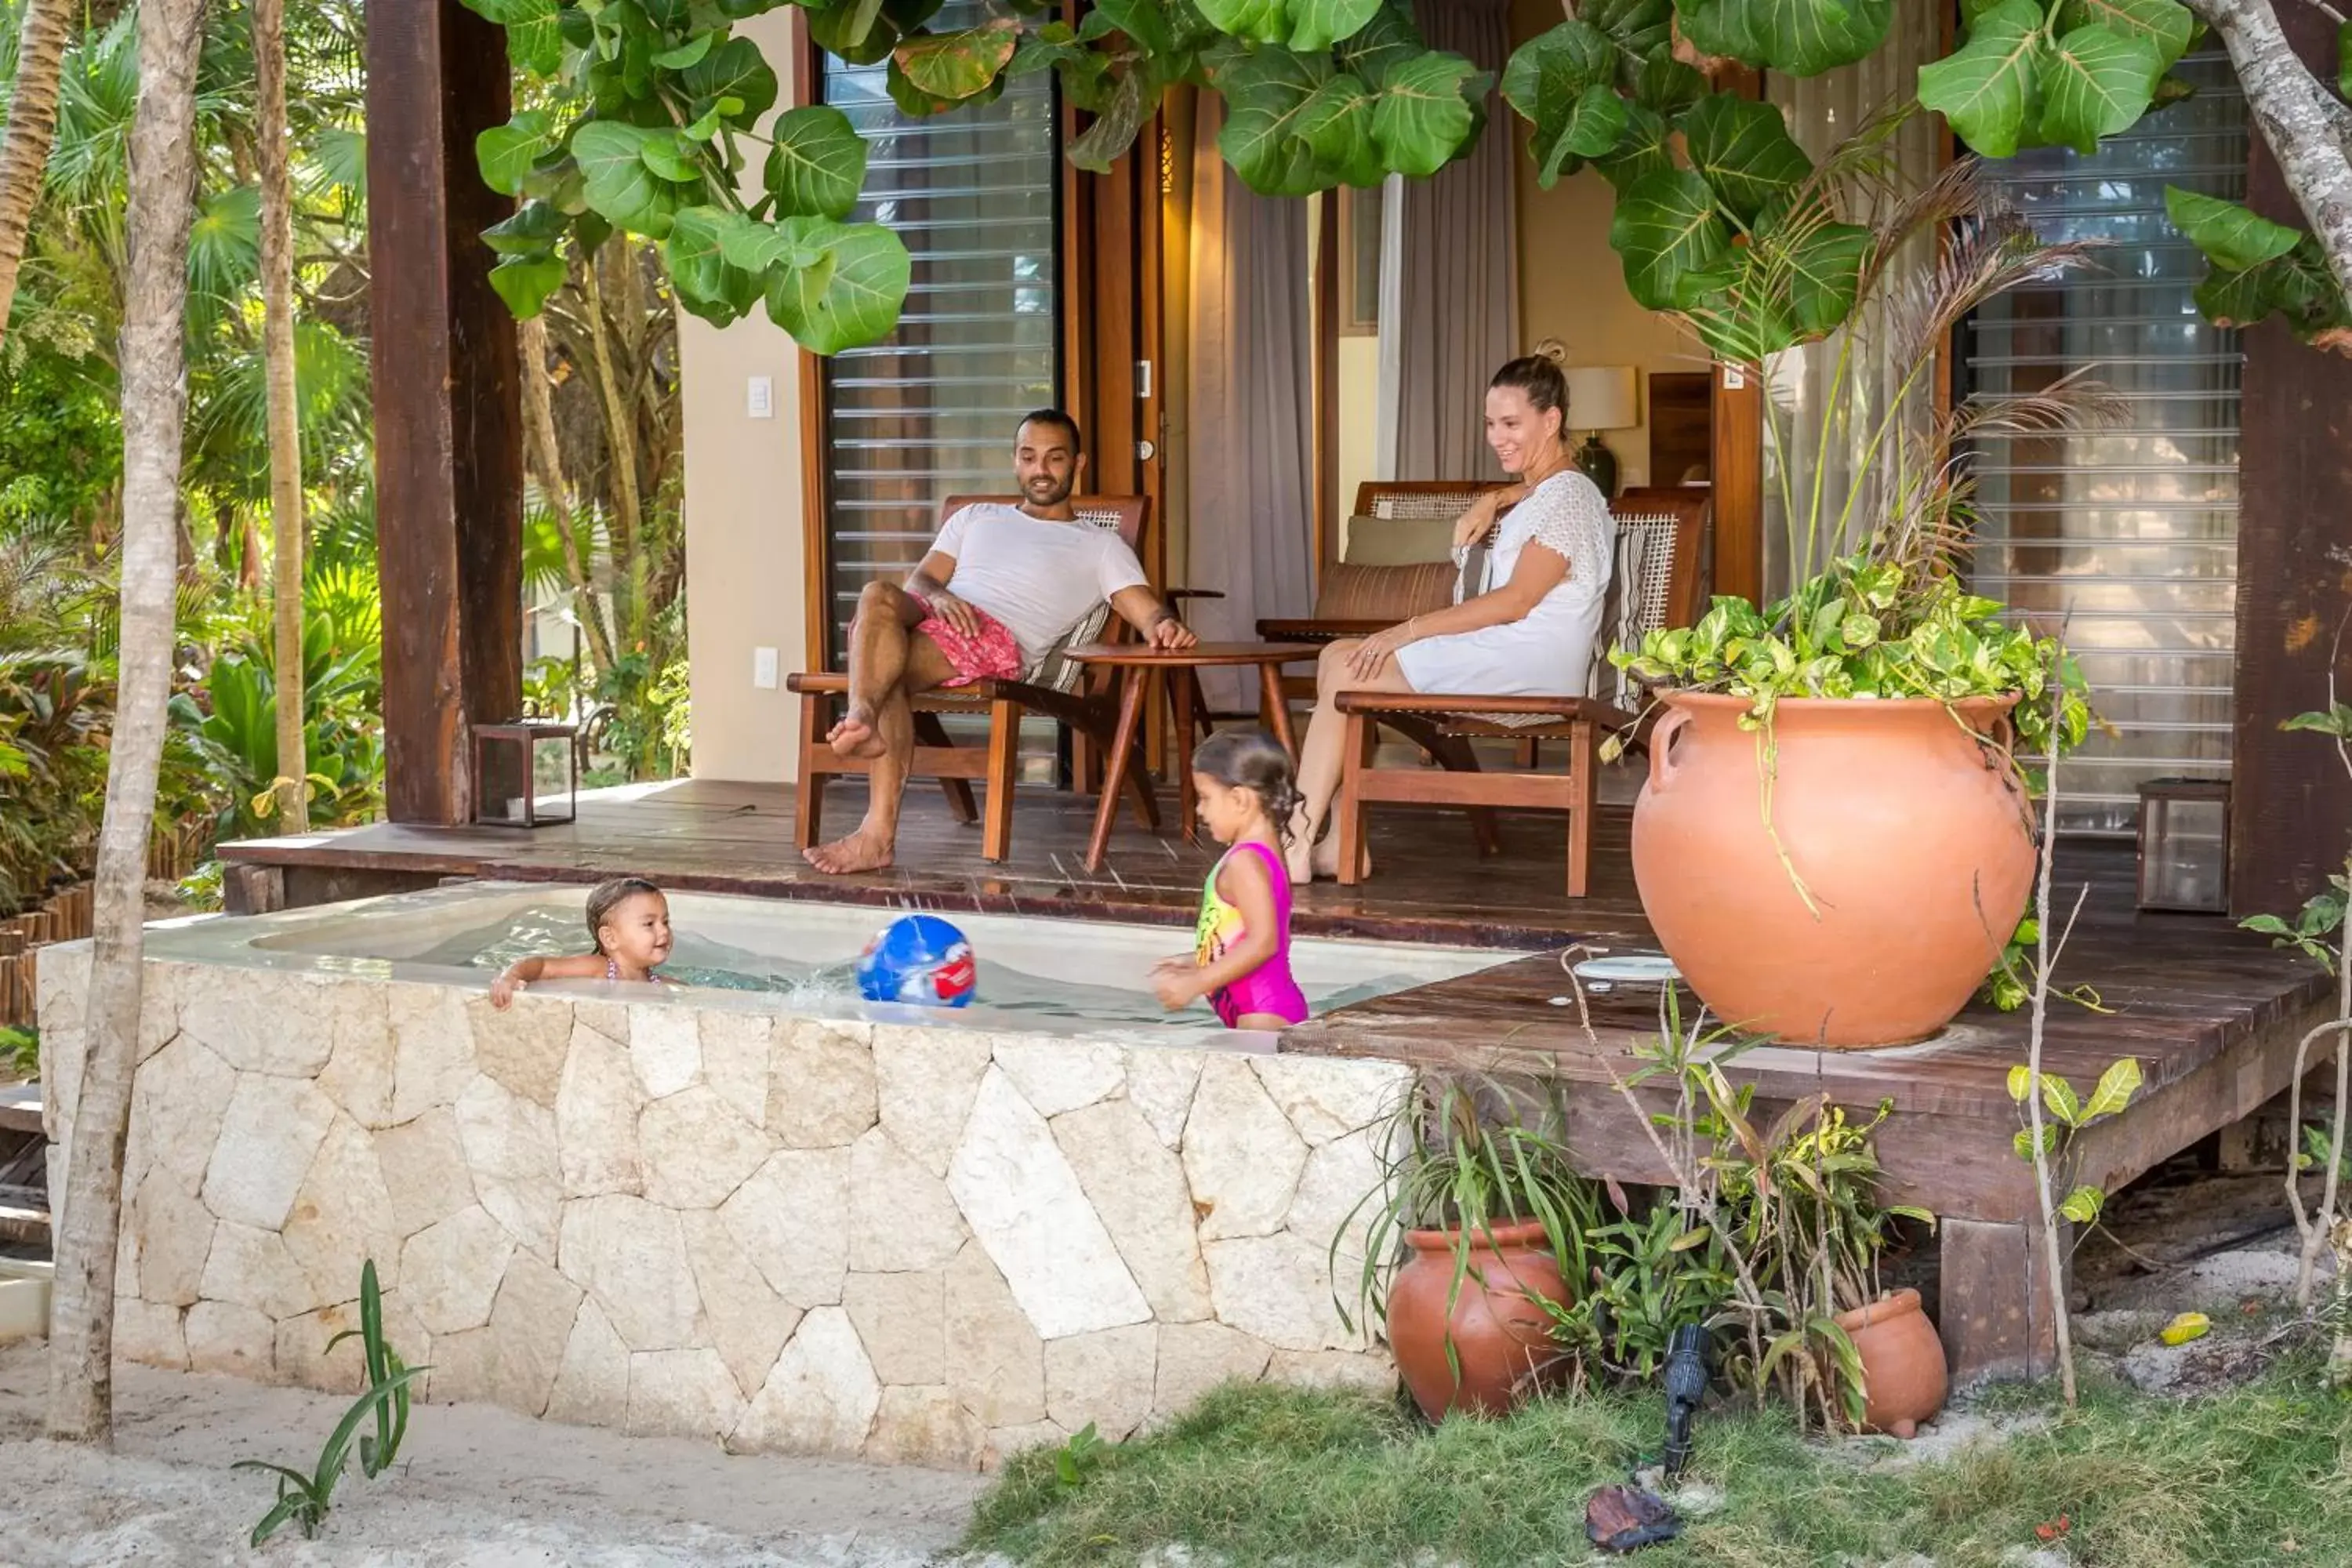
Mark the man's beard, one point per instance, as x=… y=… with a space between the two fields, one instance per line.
x=1047 y=490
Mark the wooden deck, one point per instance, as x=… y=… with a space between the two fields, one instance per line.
x=2212 y=1014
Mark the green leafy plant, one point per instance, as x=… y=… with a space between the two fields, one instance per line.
x=1649 y=1273
x=2069 y=1113
x=20 y=1049
x=650 y=111
x=305 y=1499
x=1458 y=1154
x=383 y=1366
x=2321 y=918
x=1077 y=1457
x=2011 y=984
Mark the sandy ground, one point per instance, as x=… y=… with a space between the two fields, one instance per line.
x=475 y=1486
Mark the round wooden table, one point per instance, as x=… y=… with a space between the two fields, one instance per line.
x=1137 y=666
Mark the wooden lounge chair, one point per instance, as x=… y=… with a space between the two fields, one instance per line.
x=1658 y=582
x=1054 y=686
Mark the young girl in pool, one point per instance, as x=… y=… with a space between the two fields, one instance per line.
x=1241 y=959
x=628 y=922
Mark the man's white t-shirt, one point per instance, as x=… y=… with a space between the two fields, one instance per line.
x=1036 y=576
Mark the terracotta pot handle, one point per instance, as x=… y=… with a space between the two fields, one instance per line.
x=1663 y=767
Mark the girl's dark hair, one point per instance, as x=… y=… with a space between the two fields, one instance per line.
x=610 y=894
x=1540 y=378
x=1253 y=760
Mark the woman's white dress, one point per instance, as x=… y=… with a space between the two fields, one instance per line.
x=1548 y=651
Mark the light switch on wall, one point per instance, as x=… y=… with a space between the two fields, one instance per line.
x=760 y=398
x=763 y=669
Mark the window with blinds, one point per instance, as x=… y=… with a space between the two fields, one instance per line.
x=931 y=411
x=2124 y=537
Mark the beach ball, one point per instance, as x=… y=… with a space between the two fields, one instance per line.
x=919 y=958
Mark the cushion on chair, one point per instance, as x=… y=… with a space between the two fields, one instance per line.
x=1355 y=593
x=1397 y=540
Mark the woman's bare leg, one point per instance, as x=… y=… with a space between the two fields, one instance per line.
x=1319 y=755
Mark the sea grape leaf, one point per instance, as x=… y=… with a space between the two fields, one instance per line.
x=506 y=152
x=2094 y=83
x=1667 y=229
x=2231 y=236
x=1266 y=95
x=735 y=70
x=958 y=66
x=1428 y=112
x=618 y=185
x=850 y=298
x=524 y=282
x=2167 y=24
x=1744 y=152
x=1803 y=38
x=1336 y=124
x=1989 y=88
x=817 y=166
x=1387 y=41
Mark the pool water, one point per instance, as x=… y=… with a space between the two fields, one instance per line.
x=541 y=931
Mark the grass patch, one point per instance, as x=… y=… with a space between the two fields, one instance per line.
x=1272 y=1475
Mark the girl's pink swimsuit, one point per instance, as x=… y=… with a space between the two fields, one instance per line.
x=1268 y=988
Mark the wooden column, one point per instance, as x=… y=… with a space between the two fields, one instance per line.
x=448 y=452
x=2289 y=805
x=1737 y=418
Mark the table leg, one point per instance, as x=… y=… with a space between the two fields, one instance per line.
x=1179 y=694
x=1274 y=707
x=1122 y=742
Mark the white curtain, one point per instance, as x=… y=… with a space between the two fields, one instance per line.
x=1823 y=111
x=1450 y=275
x=1252 y=488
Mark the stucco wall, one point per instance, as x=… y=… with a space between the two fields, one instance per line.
x=746 y=585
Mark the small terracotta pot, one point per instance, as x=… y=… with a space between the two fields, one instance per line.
x=1903 y=1367
x=1912 y=836
x=1500 y=1331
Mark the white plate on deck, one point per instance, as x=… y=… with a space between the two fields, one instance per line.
x=1629 y=969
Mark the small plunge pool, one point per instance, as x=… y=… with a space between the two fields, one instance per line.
x=1035 y=971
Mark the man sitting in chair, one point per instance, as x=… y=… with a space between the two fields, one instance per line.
x=998 y=590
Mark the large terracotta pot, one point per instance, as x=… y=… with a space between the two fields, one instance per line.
x=1501 y=1334
x=1905 y=1377
x=1913 y=836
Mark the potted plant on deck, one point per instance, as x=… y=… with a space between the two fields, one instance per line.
x=1477 y=1228
x=1835 y=840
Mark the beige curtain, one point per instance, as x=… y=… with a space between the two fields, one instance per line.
x=1250 y=408
x=1823 y=111
x=1450 y=275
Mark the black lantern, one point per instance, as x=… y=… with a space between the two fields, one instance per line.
x=526 y=774
x=2184 y=844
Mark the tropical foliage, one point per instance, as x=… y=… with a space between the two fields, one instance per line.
x=648 y=121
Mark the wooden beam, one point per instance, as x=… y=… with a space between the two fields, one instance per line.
x=805 y=87
x=1736 y=422
x=2289 y=805
x=448 y=411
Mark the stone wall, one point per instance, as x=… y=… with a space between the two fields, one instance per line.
x=934 y=1246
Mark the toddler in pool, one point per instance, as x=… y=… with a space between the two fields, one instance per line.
x=629 y=922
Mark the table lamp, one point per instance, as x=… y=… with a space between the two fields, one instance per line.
x=1601 y=397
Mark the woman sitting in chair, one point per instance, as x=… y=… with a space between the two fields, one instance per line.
x=1531 y=634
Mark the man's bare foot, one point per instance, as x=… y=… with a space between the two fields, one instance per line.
x=855 y=736
x=868 y=850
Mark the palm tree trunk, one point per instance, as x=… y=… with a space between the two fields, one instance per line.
x=32 y=125
x=155 y=408
x=287 y=526
x=620 y=451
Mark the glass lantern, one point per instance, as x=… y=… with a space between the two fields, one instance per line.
x=526 y=774
x=2184 y=844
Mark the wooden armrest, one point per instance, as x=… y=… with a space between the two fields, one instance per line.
x=816 y=683
x=1312 y=630
x=1604 y=713
x=1176 y=595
